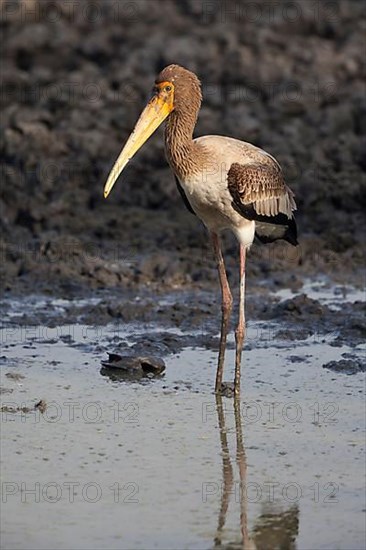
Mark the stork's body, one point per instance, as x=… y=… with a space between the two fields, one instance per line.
x=227 y=183
x=207 y=190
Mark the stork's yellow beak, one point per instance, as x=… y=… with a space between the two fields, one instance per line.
x=150 y=119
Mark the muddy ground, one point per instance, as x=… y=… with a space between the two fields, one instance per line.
x=75 y=76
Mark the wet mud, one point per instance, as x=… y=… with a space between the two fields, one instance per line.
x=74 y=79
x=163 y=453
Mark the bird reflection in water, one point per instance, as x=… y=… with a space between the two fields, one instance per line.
x=275 y=530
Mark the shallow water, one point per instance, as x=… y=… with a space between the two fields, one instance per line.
x=163 y=464
x=326 y=293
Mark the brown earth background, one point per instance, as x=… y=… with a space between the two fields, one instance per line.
x=286 y=76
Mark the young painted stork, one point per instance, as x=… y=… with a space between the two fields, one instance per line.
x=227 y=183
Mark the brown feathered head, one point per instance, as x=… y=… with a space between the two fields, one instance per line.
x=184 y=87
x=177 y=91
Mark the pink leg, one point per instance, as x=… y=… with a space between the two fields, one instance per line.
x=227 y=305
x=240 y=330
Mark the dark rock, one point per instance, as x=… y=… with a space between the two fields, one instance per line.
x=346 y=366
x=127 y=366
x=299 y=306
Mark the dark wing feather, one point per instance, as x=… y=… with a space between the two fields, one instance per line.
x=183 y=195
x=260 y=193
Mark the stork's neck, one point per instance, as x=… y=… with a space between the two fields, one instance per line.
x=179 y=146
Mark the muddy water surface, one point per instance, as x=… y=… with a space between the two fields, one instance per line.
x=161 y=463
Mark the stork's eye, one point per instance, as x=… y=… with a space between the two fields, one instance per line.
x=168 y=88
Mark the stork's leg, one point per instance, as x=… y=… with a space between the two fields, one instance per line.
x=240 y=329
x=227 y=305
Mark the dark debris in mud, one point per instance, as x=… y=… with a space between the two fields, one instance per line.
x=299 y=358
x=41 y=406
x=16 y=376
x=300 y=306
x=304 y=317
x=132 y=366
x=14 y=410
x=6 y=390
x=346 y=366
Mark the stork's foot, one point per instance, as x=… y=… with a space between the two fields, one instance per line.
x=227 y=389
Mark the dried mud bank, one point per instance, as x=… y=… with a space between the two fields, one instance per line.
x=72 y=88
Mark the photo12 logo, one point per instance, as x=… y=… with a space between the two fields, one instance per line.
x=71 y=491
x=269 y=11
x=92 y=412
x=270 y=492
x=278 y=413
x=73 y=11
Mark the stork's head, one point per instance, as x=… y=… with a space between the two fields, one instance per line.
x=176 y=89
x=183 y=87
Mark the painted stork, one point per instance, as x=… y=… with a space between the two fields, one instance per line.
x=227 y=183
